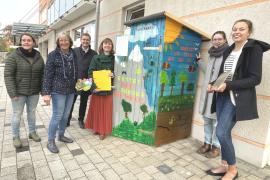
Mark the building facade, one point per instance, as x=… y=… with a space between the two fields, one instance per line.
x=251 y=138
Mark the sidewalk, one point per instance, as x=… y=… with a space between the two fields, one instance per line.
x=90 y=158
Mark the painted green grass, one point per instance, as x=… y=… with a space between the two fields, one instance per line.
x=174 y=103
x=143 y=132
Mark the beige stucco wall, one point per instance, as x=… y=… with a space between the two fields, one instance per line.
x=208 y=16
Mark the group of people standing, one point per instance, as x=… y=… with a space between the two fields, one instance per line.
x=221 y=106
x=225 y=103
x=26 y=76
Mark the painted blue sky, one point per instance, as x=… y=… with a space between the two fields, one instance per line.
x=14 y=10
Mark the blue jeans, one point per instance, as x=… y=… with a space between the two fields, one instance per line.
x=61 y=105
x=226 y=118
x=210 y=136
x=18 y=106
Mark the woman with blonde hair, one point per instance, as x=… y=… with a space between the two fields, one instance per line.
x=60 y=77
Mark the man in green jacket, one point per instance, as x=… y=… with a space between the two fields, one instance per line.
x=23 y=77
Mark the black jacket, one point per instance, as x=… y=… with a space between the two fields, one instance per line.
x=247 y=75
x=83 y=60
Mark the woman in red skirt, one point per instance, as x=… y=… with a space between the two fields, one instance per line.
x=99 y=117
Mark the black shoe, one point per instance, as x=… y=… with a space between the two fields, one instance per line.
x=209 y=172
x=52 y=146
x=64 y=139
x=81 y=124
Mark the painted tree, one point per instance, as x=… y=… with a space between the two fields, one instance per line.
x=126 y=107
x=144 y=109
x=183 y=79
x=172 y=81
x=163 y=81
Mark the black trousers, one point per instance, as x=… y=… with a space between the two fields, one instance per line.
x=83 y=104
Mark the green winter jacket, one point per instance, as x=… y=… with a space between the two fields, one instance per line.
x=23 y=75
x=101 y=62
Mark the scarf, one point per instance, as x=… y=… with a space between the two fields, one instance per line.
x=217 y=52
x=27 y=53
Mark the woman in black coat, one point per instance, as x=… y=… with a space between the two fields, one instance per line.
x=236 y=97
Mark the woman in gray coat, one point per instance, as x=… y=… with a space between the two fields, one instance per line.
x=211 y=146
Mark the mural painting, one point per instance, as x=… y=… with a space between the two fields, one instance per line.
x=155 y=82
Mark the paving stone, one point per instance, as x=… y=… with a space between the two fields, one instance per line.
x=125 y=160
x=96 y=158
x=9 y=154
x=182 y=171
x=8 y=170
x=202 y=165
x=175 y=176
x=37 y=156
x=6 y=162
x=150 y=170
x=128 y=176
x=111 y=160
x=76 y=174
x=110 y=174
x=82 y=159
x=77 y=152
x=104 y=153
x=40 y=163
x=26 y=173
x=71 y=165
x=102 y=166
x=43 y=172
x=9 y=177
x=87 y=167
x=25 y=163
x=164 y=169
x=52 y=157
x=94 y=174
x=253 y=177
x=160 y=176
x=22 y=156
x=119 y=168
x=143 y=176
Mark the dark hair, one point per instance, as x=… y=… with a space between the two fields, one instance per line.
x=29 y=35
x=248 y=22
x=106 y=40
x=66 y=35
x=86 y=34
x=221 y=33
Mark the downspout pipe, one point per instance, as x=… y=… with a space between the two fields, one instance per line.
x=97 y=23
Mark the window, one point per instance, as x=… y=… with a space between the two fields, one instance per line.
x=135 y=12
x=89 y=28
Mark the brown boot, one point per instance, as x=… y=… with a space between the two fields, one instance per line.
x=204 y=148
x=215 y=151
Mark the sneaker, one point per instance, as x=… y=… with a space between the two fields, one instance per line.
x=81 y=124
x=64 y=139
x=204 y=148
x=52 y=146
x=34 y=136
x=17 y=142
x=213 y=153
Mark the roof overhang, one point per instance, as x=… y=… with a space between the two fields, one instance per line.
x=34 y=29
x=75 y=12
x=205 y=36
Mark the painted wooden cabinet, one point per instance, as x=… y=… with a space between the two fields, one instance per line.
x=155 y=83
